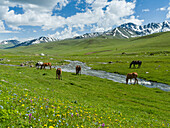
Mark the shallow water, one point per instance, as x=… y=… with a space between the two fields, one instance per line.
x=103 y=74
x=111 y=76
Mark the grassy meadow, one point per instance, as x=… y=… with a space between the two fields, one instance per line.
x=31 y=97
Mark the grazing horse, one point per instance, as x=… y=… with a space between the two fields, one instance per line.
x=59 y=73
x=46 y=64
x=135 y=62
x=131 y=76
x=38 y=64
x=78 y=69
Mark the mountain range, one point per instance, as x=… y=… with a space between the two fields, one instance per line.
x=14 y=43
x=130 y=30
x=127 y=30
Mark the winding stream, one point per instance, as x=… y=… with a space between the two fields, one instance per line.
x=111 y=76
x=103 y=74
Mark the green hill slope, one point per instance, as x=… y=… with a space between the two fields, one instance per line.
x=151 y=43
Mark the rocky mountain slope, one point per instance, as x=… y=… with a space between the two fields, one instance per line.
x=129 y=30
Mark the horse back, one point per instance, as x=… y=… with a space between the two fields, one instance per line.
x=135 y=74
x=132 y=75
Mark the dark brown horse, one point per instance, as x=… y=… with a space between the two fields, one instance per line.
x=46 y=64
x=78 y=69
x=59 y=73
x=131 y=76
x=134 y=63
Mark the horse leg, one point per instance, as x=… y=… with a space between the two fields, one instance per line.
x=130 y=65
x=134 y=66
x=139 y=66
x=136 y=80
x=126 y=80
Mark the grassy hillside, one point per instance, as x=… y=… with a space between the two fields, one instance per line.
x=34 y=98
x=152 y=43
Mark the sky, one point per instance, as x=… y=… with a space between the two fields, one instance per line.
x=29 y=19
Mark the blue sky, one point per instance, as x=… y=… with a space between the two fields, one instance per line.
x=29 y=19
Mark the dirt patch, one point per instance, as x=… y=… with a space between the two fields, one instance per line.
x=97 y=52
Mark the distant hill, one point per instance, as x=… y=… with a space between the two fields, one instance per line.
x=14 y=43
x=157 y=42
x=130 y=30
x=8 y=43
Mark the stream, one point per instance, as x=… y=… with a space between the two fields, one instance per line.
x=103 y=74
x=111 y=76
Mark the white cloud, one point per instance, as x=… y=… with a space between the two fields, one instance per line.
x=145 y=10
x=168 y=15
x=161 y=9
x=39 y=13
x=66 y=33
x=89 y=1
x=2 y=28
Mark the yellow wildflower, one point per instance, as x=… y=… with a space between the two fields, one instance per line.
x=50 y=120
x=57 y=115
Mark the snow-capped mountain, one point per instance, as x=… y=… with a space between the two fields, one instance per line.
x=8 y=43
x=39 y=40
x=129 y=30
x=14 y=42
x=88 y=35
x=35 y=41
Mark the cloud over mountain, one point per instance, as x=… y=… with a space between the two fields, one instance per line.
x=66 y=18
x=98 y=14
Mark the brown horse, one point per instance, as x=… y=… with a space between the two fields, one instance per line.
x=78 y=69
x=59 y=73
x=46 y=64
x=131 y=76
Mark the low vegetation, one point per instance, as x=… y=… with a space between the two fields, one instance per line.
x=31 y=97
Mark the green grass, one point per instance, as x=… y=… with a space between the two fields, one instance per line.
x=86 y=101
x=111 y=103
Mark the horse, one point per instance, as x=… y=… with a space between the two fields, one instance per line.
x=78 y=69
x=59 y=73
x=135 y=62
x=46 y=64
x=38 y=64
x=131 y=76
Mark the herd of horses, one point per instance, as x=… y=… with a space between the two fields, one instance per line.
x=130 y=76
x=41 y=65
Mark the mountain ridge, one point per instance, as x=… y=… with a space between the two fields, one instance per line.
x=129 y=30
x=41 y=39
